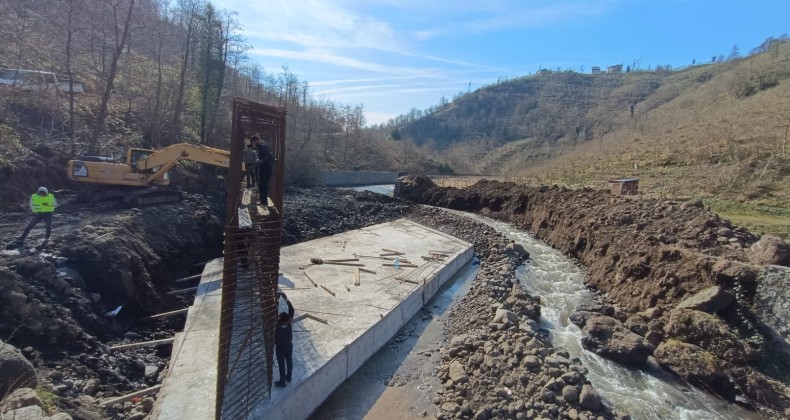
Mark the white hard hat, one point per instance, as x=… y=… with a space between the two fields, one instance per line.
x=43 y=190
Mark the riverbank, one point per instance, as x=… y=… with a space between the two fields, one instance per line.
x=648 y=257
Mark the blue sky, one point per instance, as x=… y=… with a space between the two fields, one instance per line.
x=394 y=55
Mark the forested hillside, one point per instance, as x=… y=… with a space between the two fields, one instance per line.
x=156 y=72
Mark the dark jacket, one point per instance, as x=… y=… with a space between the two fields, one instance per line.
x=283 y=333
x=265 y=154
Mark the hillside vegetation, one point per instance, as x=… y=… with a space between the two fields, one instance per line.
x=718 y=131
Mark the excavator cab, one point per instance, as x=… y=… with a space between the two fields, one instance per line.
x=134 y=154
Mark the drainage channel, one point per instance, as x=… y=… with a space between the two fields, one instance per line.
x=398 y=381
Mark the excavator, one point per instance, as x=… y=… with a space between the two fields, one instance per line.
x=141 y=178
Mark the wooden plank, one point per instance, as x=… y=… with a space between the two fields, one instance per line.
x=112 y=401
x=328 y=290
x=405 y=280
x=310 y=278
x=165 y=314
x=365 y=270
x=345 y=263
x=392 y=251
x=196 y=276
x=143 y=344
x=178 y=292
x=343 y=260
x=356 y=277
x=317 y=318
x=402 y=265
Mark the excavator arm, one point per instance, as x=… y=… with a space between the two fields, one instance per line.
x=164 y=159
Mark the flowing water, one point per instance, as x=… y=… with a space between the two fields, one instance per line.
x=386 y=189
x=649 y=393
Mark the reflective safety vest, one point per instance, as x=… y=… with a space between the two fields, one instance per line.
x=45 y=204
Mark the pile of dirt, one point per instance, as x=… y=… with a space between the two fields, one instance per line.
x=498 y=363
x=648 y=257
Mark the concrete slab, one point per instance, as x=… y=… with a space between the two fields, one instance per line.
x=359 y=319
x=190 y=386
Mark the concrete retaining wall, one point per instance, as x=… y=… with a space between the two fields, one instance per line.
x=356 y=178
x=772 y=301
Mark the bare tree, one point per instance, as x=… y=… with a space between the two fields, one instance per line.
x=120 y=38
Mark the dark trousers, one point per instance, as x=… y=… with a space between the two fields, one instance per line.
x=264 y=174
x=37 y=217
x=252 y=174
x=284 y=359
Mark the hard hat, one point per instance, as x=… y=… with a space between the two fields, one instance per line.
x=43 y=190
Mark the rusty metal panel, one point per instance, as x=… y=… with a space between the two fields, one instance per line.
x=250 y=270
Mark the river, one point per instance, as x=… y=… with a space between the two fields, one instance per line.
x=649 y=393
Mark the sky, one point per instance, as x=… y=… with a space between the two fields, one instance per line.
x=395 y=55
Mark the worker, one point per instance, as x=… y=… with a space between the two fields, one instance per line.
x=266 y=163
x=283 y=342
x=43 y=205
x=251 y=165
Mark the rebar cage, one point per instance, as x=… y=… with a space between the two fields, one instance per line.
x=251 y=263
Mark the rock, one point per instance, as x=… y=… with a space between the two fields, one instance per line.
x=136 y=416
x=712 y=299
x=770 y=250
x=91 y=387
x=457 y=372
x=694 y=365
x=693 y=203
x=531 y=361
x=151 y=371
x=518 y=250
x=20 y=397
x=570 y=393
x=609 y=338
x=580 y=317
x=506 y=317
x=451 y=407
x=761 y=389
x=148 y=404
x=15 y=370
x=589 y=398
x=710 y=333
x=60 y=416
x=31 y=412
x=727 y=272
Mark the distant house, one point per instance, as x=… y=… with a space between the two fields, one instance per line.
x=616 y=69
x=596 y=70
x=624 y=186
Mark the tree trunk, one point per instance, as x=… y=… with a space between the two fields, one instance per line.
x=101 y=115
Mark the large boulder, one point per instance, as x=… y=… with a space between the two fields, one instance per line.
x=15 y=370
x=712 y=299
x=710 y=333
x=21 y=397
x=770 y=250
x=694 y=365
x=608 y=337
x=762 y=390
x=589 y=398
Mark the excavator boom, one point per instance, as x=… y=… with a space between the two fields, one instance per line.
x=143 y=168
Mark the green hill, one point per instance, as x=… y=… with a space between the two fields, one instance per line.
x=718 y=131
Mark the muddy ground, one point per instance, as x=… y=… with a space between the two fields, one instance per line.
x=56 y=305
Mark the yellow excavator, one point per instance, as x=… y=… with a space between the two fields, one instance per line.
x=145 y=169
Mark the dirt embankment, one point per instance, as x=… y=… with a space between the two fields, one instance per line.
x=683 y=278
